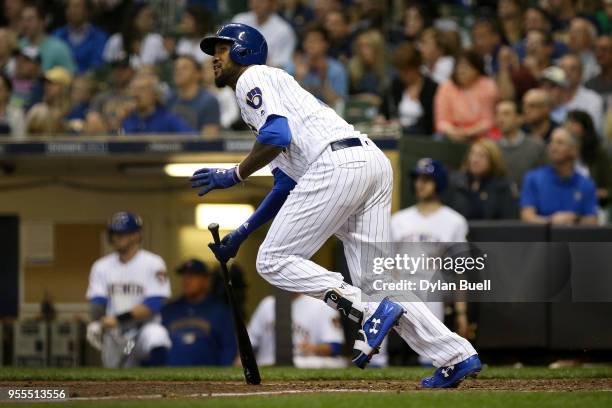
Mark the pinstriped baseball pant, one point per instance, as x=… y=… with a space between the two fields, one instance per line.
x=347 y=193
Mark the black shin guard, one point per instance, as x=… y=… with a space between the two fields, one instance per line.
x=334 y=299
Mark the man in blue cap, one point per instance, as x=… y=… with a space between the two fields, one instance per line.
x=200 y=325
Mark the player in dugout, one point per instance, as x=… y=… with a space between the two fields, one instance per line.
x=127 y=289
x=200 y=324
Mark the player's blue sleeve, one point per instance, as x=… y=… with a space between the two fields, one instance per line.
x=154 y=303
x=589 y=201
x=275 y=131
x=336 y=349
x=98 y=300
x=269 y=207
x=227 y=339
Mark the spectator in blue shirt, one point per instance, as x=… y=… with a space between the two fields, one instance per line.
x=85 y=40
x=323 y=76
x=147 y=114
x=556 y=193
x=191 y=102
x=200 y=325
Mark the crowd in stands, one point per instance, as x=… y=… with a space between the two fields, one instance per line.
x=503 y=76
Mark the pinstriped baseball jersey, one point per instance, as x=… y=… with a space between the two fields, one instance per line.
x=262 y=91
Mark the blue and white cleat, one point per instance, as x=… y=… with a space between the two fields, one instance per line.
x=374 y=331
x=451 y=376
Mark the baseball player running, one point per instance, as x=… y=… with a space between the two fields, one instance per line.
x=328 y=179
x=127 y=289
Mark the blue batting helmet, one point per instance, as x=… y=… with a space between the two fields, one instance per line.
x=249 y=47
x=123 y=222
x=434 y=169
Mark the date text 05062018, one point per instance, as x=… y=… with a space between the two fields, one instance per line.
x=32 y=394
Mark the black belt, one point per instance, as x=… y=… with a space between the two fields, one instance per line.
x=344 y=143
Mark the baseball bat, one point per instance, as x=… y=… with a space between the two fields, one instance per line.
x=247 y=357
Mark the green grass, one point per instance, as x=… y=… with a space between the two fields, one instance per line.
x=452 y=399
x=279 y=373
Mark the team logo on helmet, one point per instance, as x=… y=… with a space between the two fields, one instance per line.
x=254 y=98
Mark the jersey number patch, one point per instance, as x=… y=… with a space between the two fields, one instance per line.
x=254 y=98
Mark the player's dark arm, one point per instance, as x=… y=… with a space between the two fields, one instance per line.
x=273 y=137
x=261 y=155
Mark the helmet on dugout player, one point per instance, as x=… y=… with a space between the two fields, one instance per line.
x=432 y=168
x=124 y=222
x=249 y=47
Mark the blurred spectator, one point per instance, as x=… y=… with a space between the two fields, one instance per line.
x=602 y=83
x=367 y=67
x=195 y=25
x=340 y=35
x=322 y=8
x=581 y=41
x=521 y=152
x=577 y=96
x=429 y=221
x=557 y=193
x=510 y=14
x=296 y=13
x=28 y=83
x=81 y=92
x=416 y=18
x=480 y=190
x=230 y=114
x=536 y=18
x=7 y=48
x=539 y=50
x=321 y=75
x=53 y=52
x=371 y=15
x=464 y=106
x=12 y=14
x=316 y=331
x=438 y=61
x=278 y=33
x=604 y=17
x=105 y=111
x=487 y=41
x=12 y=121
x=537 y=123
x=554 y=82
x=561 y=12
x=199 y=324
x=411 y=95
x=137 y=41
x=513 y=79
x=191 y=102
x=85 y=40
x=593 y=161
x=147 y=114
x=41 y=120
x=56 y=99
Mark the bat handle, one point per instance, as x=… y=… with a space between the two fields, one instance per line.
x=214 y=230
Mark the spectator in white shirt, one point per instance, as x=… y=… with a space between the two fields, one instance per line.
x=194 y=26
x=277 y=32
x=137 y=41
x=577 y=97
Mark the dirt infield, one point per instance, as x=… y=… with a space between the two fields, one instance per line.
x=186 y=389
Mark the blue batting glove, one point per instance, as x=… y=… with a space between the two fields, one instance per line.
x=212 y=179
x=229 y=246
